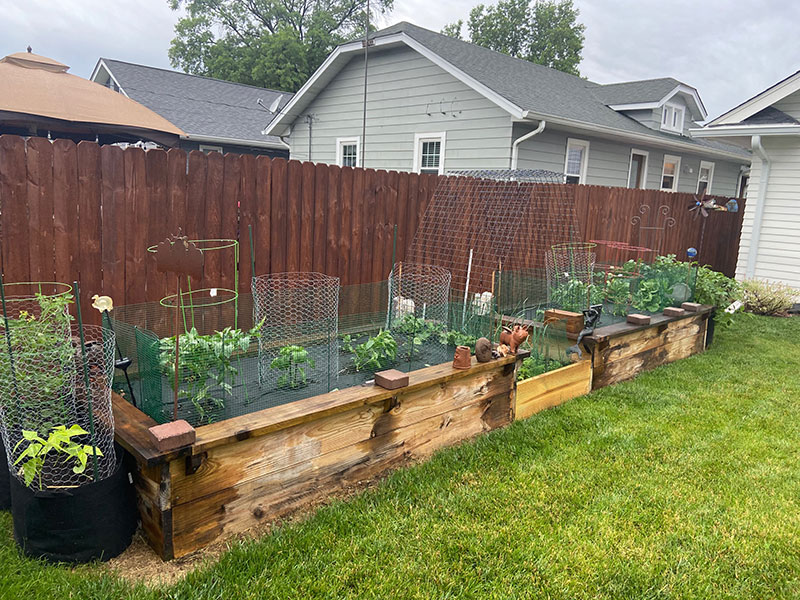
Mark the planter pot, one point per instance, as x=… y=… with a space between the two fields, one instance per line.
x=5 y=484
x=553 y=388
x=90 y=522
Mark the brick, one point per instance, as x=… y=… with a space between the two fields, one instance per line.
x=691 y=306
x=672 y=311
x=636 y=319
x=174 y=435
x=391 y=379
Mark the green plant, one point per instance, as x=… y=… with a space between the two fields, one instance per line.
x=767 y=297
x=205 y=365
x=457 y=338
x=715 y=289
x=347 y=343
x=649 y=296
x=574 y=295
x=291 y=360
x=59 y=443
x=618 y=294
x=377 y=352
x=535 y=365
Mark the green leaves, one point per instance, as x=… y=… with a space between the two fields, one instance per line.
x=376 y=353
x=289 y=360
x=59 y=443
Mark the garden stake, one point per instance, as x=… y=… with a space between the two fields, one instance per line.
x=8 y=335
x=86 y=378
x=177 y=351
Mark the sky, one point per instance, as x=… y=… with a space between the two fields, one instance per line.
x=729 y=50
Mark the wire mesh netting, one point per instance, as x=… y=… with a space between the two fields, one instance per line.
x=296 y=315
x=570 y=276
x=46 y=384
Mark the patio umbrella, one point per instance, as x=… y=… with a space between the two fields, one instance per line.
x=37 y=93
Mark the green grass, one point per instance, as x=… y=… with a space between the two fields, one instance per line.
x=681 y=484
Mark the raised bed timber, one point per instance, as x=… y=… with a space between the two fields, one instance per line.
x=622 y=351
x=553 y=388
x=258 y=467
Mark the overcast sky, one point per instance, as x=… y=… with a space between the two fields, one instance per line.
x=730 y=50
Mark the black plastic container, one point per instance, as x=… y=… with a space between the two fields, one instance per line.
x=5 y=484
x=95 y=521
x=710 y=327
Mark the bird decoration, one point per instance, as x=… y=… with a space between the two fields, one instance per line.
x=703 y=205
x=102 y=303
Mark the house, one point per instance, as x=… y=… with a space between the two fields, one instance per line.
x=769 y=124
x=216 y=115
x=38 y=97
x=436 y=104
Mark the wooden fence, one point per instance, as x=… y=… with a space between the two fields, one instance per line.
x=89 y=212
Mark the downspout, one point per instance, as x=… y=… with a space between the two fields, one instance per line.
x=758 y=217
x=519 y=140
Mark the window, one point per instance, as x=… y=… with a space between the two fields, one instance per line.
x=206 y=149
x=704 y=177
x=744 y=179
x=669 y=174
x=672 y=117
x=347 y=150
x=429 y=153
x=576 y=159
x=637 y=171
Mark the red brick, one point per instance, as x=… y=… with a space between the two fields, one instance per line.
x=391 y=379
x=174 y=435
x=636 y=319
x=691 y=306
x=672 y=311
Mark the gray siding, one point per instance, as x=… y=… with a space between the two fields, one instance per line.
x=790 y=105
x=408 y=94
x=609 y=161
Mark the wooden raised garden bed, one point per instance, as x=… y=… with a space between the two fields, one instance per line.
x=553 y=388
x=255 y=468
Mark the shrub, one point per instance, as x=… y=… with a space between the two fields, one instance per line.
x=716 y=289
x=767 y=297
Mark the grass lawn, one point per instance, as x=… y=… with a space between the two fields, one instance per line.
x=684 y=483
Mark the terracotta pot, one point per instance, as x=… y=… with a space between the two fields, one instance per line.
x=462 y=359
x=483 y=350
x=513 y=337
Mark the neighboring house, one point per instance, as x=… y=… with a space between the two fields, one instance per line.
x=437 y=104
x=216 y=115
x=769 y=123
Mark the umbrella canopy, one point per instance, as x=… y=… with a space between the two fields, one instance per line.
x=37 y=92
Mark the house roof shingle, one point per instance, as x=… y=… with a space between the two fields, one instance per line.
x=201 y=106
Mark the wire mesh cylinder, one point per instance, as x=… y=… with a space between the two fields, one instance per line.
x=297 y=319
x=42 y=389
x=37 y=308
x=570 y=276
x=418 y=311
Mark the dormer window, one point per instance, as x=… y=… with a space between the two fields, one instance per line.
x=672 y=118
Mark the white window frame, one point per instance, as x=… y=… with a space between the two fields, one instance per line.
x=669 y=120
x=742 y=175
x=419 y=138
x=584 y=165
x=347 y=141
x=705 y=164
x=646 y=155
x=677 y=161
x=206 y=148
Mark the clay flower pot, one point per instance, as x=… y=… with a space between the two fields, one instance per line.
x=462 y=359
x=483 y=350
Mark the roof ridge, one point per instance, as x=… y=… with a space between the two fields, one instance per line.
x=256 y=87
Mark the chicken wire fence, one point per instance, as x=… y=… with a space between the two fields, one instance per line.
x=570 y=276
x=46 y=383
x=296 y=316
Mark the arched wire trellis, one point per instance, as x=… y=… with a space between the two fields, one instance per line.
x=651 y=227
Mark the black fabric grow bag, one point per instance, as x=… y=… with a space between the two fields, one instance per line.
x=5 y=485
x=93 y=521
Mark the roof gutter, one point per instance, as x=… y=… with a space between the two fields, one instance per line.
x=235 y=141
x=758 y=217
x=744 y=130
x=519 y=140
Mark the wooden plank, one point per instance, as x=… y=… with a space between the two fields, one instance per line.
x=262 y=231
x=196 y=195
x=280 y=215
x=284 y=449
x=215 y=213
x=625 y=346
x=229 y=222
x=551 y=389
x=113 y=223
x=40 y=208
x=603 y=333
x=320 y=218
x=294 y=215
x=136 y=214
x=89 y=190
x=333 y=231
x=66 y=230
x=247 y=218
x=346 y=224
x=307 y=219
x=14 y=241
x=156 y=181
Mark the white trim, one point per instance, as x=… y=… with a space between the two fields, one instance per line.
x=636 y=106
x=705 y=164
x=429 y=137
x=102 y=63
x=742 y=174
x=235 y=141
x=355 y=139
x=679 y=89
x=207 y=148
x=646 y=154
x=673 y=159
x=585 y=158
x=669 y=112
x=745 y=130
x=760 y=101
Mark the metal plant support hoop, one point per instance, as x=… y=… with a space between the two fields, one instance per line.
x=570 y=276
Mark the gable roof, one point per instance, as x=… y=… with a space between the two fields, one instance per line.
x=524 y=89
x=757 y=103
x=206 y=109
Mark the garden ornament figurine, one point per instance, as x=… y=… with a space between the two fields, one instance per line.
x=590 y=318
x=483 y=350
x=513 y=338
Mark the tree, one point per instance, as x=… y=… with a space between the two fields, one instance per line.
x=545 y=32
x=269 y=43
